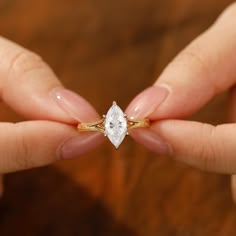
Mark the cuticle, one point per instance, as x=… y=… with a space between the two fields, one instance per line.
x=59 y=155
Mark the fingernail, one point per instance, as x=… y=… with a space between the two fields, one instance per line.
x=147 y=102
x=74 y=105
x=79 y=145
x=153 y=142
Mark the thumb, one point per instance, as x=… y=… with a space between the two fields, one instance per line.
x=37 y=143
x=208 y=147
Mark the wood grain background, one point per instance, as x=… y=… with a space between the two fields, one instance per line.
x=119 y=47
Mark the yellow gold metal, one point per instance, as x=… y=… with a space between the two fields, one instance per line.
x=134 y=124
x=92 y=127
x=100 y=127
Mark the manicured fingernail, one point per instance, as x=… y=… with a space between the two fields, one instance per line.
x=74 y=105
x=79 y=145
x=147 y=102
x=153 y=142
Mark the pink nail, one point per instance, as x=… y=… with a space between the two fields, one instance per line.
x=147 y=102
x=74 y=105
x=152 y=141
x=79 y=145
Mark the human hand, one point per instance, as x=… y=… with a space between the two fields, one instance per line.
x=31 y=89
x=205 y=68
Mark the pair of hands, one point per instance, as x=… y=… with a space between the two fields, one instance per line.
x=202 y=70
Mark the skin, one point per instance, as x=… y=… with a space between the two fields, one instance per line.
x=31 y=89
x=202 y=70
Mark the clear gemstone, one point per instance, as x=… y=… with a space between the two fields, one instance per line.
x=115 y=125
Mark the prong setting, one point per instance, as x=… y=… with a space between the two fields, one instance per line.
x=114 y=125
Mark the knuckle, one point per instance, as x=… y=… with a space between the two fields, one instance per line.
x=229 y=12
x=190 y=59
x=23 y=62
x=209 y=151
x=193 y=60
x=24 y=152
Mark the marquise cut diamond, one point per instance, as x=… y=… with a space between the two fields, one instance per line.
x=115 y=125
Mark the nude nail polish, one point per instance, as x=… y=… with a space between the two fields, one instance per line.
x=153 y=142
x=148 y=101
x=74 y=105
x=79 y=145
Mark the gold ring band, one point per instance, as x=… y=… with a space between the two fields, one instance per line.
x=99 y=126
x=114 y=125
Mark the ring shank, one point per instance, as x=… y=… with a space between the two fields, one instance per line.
x=100 y=127
x=92 y=127
x=134 y=124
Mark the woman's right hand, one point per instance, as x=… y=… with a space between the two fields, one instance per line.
x=30 y=88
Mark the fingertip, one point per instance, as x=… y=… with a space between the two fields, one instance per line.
x=73 y=105
x=152 y=140
x=79 y=145
x=147 y=102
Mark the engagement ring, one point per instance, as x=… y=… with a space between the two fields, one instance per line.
x=114 y=125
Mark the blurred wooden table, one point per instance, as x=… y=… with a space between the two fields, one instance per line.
x=111 y=50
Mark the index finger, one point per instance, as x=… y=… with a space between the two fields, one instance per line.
x=30 y=87
x=203 y=69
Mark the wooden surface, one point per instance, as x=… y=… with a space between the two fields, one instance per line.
x=111 y=50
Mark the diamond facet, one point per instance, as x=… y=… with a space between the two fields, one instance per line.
x=115 y=125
